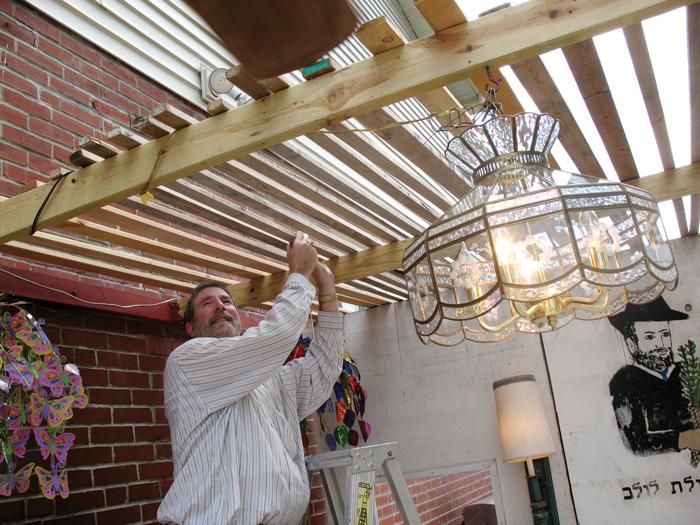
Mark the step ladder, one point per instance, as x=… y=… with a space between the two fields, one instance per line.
x=361 y=465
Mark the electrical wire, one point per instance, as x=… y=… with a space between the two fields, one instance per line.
x=125 y=306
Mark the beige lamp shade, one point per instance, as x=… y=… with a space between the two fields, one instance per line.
x=522 y=423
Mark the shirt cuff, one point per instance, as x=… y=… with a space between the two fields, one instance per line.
x=332 y=320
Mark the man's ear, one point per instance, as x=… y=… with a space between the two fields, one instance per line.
x=631 y=346
x=189 y=329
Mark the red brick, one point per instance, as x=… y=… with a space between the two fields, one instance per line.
x=115 y=495
x=72 y=125
x=133 y=453
x=161 y=346
x=93 y=377
x=27 y=70
x=119 y=516
x=152 y=433
x=132 y=379
x=51 y=131
x=112 y=434
x=135 y=95
x=152 y=363
x=42 y=164
x=144 y=491
x=149 y=328
x=156 y=470
x=80 y=501
x=126 y=343
x=36 y=23
x=165 y=485
x=84 y=357
x=91 y=455
x=78 y=479
x=157 y=380
x=61 y=154
x=66 y=89
x=19 y=174
x=111 y=112
x=122 y=102
x=147 y=397
x=117 y=70
x=109 y=396
x=21 y=138
x=38 y=507
x=160 y=416
x=117 y=360
x=149 y=511
x=132 y=415
x=80 y=519
x=100 y=76
x=164 y=451
x=112 y=475
x=60 y=54
x=83 y=115
x=79 y=48
x=46 y=62
x=12 y=510
x=13 y=154
x=92 y=415
x=74 y=337
x=18 y=30
x=13 y=115
x=18 y=81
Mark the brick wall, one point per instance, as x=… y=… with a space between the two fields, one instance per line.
x=439 y=500
x=120 y=465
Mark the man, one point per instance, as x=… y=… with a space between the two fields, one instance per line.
x=234 y=410
x=647 y=397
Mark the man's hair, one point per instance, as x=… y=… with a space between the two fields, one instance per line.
x=188 y=314
x=657 y=310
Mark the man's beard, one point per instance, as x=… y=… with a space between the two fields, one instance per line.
x=658 y=359
x=216 y=328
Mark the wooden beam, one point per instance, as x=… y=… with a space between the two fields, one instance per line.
x=520 y=32
x=671 y=184
x=239 y=77
x=539 y=84
x=639 y=52
x=588 y=72
x=379 y=35
x=440 y=14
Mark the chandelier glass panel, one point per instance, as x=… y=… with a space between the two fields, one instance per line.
x=530 y=248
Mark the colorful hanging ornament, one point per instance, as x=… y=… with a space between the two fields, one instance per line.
x=38 y=392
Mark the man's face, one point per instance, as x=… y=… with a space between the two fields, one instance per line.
x=654 y=349
x=215 y=315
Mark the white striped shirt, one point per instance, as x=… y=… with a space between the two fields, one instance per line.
x=234 y=416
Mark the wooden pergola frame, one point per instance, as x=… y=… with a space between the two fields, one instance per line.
x=403 y=71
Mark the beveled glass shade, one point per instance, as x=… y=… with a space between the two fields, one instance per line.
x=530 y=248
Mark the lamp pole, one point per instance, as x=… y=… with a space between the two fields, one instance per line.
x=540 y=511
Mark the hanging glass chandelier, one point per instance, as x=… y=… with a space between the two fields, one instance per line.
x=530 y=248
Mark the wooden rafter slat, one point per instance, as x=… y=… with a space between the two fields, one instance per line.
x=117 y=237
x=588 y=72
x=85 y=264
x=339 y=180
x=125 y=138
x=440 y=14
x=279 y=213
x=246 y=82
x=365 y=86
x=151 y=127
x=173 y=117
x=415 y=151
x=693 y=24
x=217 y=107
x=539 y=84
x=295 y=180
x=240 y=261
x=643 y=68
x=97 y=147
x=83 y=158
x=671 y=184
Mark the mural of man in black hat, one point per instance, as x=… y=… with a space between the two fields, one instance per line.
x=647 y=397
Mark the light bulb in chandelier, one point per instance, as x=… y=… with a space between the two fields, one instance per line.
x=530 y=248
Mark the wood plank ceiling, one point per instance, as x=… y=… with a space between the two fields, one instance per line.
x=361 y=196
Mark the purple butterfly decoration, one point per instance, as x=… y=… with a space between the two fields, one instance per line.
x=57 y=446
x=50 y=375
x=21 y=374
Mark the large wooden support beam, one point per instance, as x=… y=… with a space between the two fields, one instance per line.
x=663 y=186
x=456 y=53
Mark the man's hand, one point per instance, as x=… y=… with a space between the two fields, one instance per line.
x=301 y=255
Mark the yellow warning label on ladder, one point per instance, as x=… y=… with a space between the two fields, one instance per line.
x=363 y=509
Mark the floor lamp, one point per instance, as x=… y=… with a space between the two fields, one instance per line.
x=525 y=435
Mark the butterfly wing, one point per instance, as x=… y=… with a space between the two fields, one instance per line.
x=20 y=374
x=36 y=408
x=59 y=410
x=50 y=375
x=80 y=401
x=43 y=440
x=5 y=488
x=61 y=445
x=62 y=478
x=46 y=482
x=13 y=347
x=23 y=477
x=19 y=441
